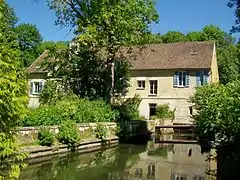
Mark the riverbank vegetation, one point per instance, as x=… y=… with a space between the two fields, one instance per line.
x=218 y=120
x=75 y=109
x=13 y=96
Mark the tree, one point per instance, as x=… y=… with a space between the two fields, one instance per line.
x=29 y=38
x=149 y=38
x=106 y=25
x=235 y=4
x=173 y=36
x=51 y=45
x=13 y=96
x=194 y=36
x=83 y=71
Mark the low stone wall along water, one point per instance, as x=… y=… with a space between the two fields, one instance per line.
x=28 y=135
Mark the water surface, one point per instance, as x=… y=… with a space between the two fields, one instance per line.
x=126 y=162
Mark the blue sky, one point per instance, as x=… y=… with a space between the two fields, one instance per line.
x=177 y=15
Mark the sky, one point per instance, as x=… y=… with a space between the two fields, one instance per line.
x=175 y=15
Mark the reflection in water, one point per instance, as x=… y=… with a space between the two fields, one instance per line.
x=152 y=162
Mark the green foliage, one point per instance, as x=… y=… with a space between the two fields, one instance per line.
x=163 y=112
x=104 y=26
x=51 y=93
x=13 y=95
x=149 y=38
x=45 y=137
x=51 y=45
x=218 y=113
x=173 y=36
x=69 y=134
x=101 y=132
x=10 y=156
x=87 y=65
x=28 y=38
x=70 y=108
x=194 y=36
x=127 y=109
x=235 y=4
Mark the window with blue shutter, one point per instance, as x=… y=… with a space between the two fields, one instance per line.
x=187 y=79
x=205 y=77
x=181 y=79
x=175 y=79
x=40 y=87
x=198 y=78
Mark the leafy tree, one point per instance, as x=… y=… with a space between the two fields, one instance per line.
x=217 y=112
x=106 y=25
x=228 y=64
x=82 y=70
x=235 y=4
x=149 y=38
x=173 y=36
x=29 y=38
x=13 y=96
x=51 y=45
x=51 y=93
x=194 y=36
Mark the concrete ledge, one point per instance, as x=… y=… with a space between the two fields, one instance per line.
x=83 y=147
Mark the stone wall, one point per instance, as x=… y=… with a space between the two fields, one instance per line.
x=136 y=128
x=28 y=135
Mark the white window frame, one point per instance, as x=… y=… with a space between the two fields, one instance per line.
x=154 y=89
x=141 y=84
x=183 y=78
x=33 y=87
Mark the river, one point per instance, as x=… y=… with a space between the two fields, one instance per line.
x=153 y=161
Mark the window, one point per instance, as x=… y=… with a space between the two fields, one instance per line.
x=36 y=87
x=141 y=84
x=181 y=79
x=152 y=109
x=153 y=87
x=201 y=78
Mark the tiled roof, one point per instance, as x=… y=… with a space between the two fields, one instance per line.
x=35 y=67
x=183 y=55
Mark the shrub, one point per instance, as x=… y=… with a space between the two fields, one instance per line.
x=163 y=112
x=77 y=110
x=101 y=132
x=45 y=137
x=127 y=109
x=69 y=134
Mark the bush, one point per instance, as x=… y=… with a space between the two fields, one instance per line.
x=77 y=110
x=101 y=132
x=163 y=112
x=51 y=93
x=218 y=112
x=69 y=134
x=127 y=109
x=45 y=137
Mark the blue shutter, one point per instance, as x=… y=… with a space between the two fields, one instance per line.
x=187 y=79
x=175 y=80
x=198 y=78
x=205 y=77
x=31 y=88
x=40 y=86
